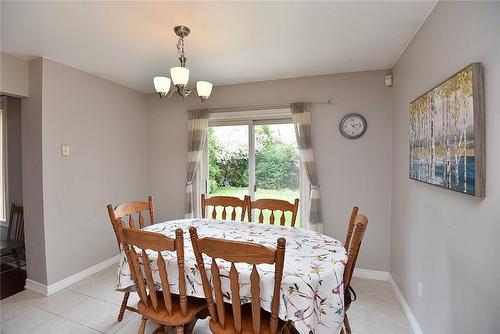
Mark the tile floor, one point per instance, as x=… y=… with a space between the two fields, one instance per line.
x=91 y=306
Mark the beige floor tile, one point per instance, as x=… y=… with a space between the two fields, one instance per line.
x=359 y=320
x=59 y=302
x=12 y=309
x=16 y=304
x=24 y=295
x=389 y=323
x=360 y=302
x=97 y=314
x=30 y=318
x=102 y=286
x=370 y=285
x=58 y=325
x=382 y=302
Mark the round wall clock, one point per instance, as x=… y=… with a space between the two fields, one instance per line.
x=352 y=126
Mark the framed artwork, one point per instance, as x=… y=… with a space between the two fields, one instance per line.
x=447 y=134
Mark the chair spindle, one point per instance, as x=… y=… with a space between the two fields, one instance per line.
x=235 y=296
x=255 y=292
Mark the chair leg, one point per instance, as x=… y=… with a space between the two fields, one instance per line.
x=347 y=325
x=342 y=330
x=123 y=306
x=142 y=328
x=16 y=255
x=179 y=330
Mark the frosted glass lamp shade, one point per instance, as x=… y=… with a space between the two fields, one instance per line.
x=162 y=84
x=180 y=75
x=204 y=89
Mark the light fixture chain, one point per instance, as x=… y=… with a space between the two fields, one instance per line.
x=180 y=50
x=180 y=46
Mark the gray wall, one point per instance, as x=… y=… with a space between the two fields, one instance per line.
x=105 y=126
x=14 y=75
x=67 y=227
x=447 y=240
x=31 y=129
x=342 y=163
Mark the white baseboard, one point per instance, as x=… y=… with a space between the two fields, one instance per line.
x=48 y=290
x=35 y=286
x=406 y=308
x=371 y=274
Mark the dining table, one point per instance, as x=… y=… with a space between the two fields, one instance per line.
x=312 y=291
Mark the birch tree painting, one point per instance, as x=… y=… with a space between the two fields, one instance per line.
x=443 y=139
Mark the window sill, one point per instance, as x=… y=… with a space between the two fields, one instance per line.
x=3 y=223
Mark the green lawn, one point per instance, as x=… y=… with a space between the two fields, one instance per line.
x=284 y=194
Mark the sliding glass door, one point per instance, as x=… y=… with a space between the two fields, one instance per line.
x=228 y=152
x=253 y=157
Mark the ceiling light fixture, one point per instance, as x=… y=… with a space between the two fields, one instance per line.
x=180 y=74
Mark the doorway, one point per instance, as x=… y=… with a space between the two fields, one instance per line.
x=257 y=157
x=13 y=259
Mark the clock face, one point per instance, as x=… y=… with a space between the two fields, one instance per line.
x=353 y=126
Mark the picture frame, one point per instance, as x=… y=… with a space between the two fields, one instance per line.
x=447 y=133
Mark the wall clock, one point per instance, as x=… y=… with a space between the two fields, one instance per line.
x=352 y=126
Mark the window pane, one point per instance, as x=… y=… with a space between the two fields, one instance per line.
x=228 y=162
x=277 y=171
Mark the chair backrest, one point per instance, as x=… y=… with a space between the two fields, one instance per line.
x=225 y=202
x=143 y=278
x=15 y=230
x=275 y=205
x=360 y=223
x=350 y=227
x=124 y=214
x=237 y=251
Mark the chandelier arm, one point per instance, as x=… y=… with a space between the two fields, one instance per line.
x=171 y=92
x=202 y=98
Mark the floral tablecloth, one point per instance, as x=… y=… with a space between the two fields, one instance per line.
x=312 y=290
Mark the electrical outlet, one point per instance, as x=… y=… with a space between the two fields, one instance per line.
x=65 y=150
x=420 y=290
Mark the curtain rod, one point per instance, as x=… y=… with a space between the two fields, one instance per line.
x=260 y=107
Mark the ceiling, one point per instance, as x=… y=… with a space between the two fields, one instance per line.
x=230 y=42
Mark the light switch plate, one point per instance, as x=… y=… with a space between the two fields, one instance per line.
x=65 y=150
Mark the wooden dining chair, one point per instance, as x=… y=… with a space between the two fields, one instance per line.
x=157 y=303
x=274 y=205
x=123 y=215
x=350 y=227
x=360 y=223
x=14 y=244
x=225 y=202
x=236 y=318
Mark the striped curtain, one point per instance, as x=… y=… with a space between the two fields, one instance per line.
x=301 y=115
x=197 y=135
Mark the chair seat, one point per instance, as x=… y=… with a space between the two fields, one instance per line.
x=194 y=306
x=10 y=244
x=247 y=322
